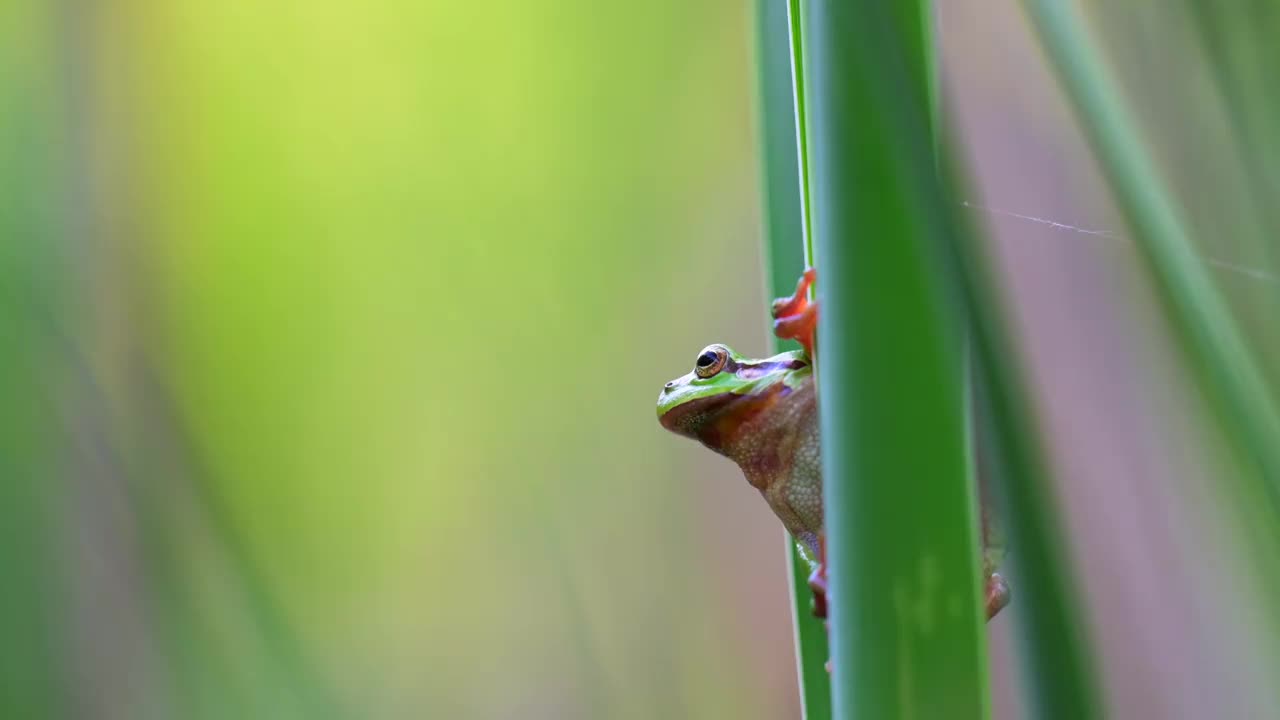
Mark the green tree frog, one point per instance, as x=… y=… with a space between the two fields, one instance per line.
x=763 y=415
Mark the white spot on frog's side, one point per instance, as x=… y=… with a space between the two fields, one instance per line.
x=807 y=543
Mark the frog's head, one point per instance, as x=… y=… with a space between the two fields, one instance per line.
x=725 y=391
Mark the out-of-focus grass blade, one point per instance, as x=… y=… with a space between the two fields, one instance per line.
x=784 y=261
x=30 y=194
x=1010 y=458
x=1239 y=39
x=907 y=635
x=1196 y=310
x=1053 y=638
x=178 y=485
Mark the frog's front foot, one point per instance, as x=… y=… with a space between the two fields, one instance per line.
x=795 y=317
x=818 y=584
x=818 y=579
x=996 y=595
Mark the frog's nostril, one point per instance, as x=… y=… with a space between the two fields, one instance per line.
x=669 y=385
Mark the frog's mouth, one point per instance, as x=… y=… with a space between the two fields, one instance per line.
x=715 y=420
x=690 y=416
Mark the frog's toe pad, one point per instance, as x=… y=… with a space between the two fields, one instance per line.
x=818 y=584
x=997 y=594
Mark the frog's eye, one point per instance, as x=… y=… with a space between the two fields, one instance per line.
x=711 y=361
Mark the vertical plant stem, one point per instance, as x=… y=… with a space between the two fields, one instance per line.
x=907 y=635
x=1005 y=449
x=34 y=200
x=1054 y=644
x=784 y=246
x=1062 y=684
x=795 y=35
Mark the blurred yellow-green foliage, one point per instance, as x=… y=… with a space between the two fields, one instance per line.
x=342 y=324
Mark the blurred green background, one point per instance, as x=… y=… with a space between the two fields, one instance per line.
x=332 y=332
x=335 y=332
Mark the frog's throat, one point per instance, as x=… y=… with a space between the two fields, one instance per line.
x=718 y=421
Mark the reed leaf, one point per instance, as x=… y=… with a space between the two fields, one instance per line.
x=907 y=636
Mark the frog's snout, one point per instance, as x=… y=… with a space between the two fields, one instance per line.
x=666 y=398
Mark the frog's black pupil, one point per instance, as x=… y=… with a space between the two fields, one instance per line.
x=706 y=358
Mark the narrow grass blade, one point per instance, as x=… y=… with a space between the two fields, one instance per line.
x=784 y=248
x=795 y=30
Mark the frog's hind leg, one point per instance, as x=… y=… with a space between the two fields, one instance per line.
x=818 y=584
